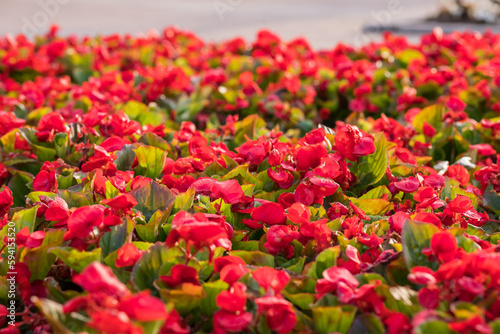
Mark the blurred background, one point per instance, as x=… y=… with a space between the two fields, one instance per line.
x=323 y=22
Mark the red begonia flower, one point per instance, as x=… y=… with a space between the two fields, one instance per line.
x=121 y=202
x=114 y=143
x=279 y=313
x=225 y=321
x=127 y=255
x=222 y=261
x=6 y=201
x=113 y=322
x=45 y=181
x=304 y=194
x=397 y=220
x=428 y=130
x=332 y=277
x=84 y=219
x=353 y=143
x=434 y=181
x=309 y=157
x=323 y=186
x=269 y=213
x=429 y=297
x=279 y=238
x=458 y=173
x=174 y=325
x=422 y=275
x=196 y=229
x=179 y=274
x=232 y=272
x=9 y=121
x=455 y=104
x=230 y=191
x=35 y=239
x=428 y=217
x=408 y=185
x=460 y=204
x=473 y=324
x=96 y=278
x=483 y=149
x=444 y=246
x=234 y=299
x=143 y=307
x=299 y=214
x=270 y=278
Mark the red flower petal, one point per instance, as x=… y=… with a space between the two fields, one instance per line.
x=82 y=220
x=408 y=185
x=143 y=307
x=270 y=214
x=121 y=202
x=97 y=278
x=271 y=278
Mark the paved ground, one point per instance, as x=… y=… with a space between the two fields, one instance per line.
x=323 y=22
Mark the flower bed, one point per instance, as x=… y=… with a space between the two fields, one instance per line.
x=160 y=184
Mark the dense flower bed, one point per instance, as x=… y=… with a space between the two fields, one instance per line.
x=160 y=184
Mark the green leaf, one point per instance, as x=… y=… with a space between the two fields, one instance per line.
x=367 y=324
x=432 y=115
x=433 y=327
x=495 y=325
x=61 y=323
x=61 y=144
x=114 y=239
x=408 y=55
x=25 y=218
x=18 y=184
x=151 y=327
x=75 y=259
x=111 y=190
x=125 y=157
x=373 y=207
x=151 y=161
x=73 y=198
x=139 y=112
x=248 y=127
x=295 y=265
x=303 y=301
x=230 y=163
x=44 y=153
x=184 y=201
x=326 y=259
x=185 y=298
x=212 y=290
x=491 y=200
x=150 y=231
x=145 y=270
x=152 y=139
x=152 y=197
x=467 y=244
x=252 y=245
x=333 y=319
x=377 y=162
x=255 y=258
x=214 y=168
x=34 y=196
x=416 y=237
x=8 y=141
x=376 y=193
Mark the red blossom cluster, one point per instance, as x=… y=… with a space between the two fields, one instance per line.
x=161 y=184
